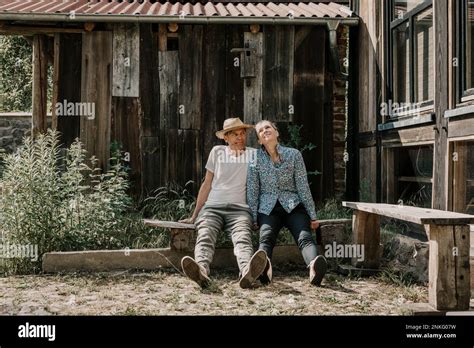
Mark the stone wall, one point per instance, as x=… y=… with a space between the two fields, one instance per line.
x=13 y=127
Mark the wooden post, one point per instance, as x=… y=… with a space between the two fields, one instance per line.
x=366 y=231
x=449 y=273
x=162 y=38
x=253 y=87
x=440 y=103
x=40 y=78
x=56 y=50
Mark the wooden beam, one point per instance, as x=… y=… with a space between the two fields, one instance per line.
x=162 y=38
x=40 y=84
x=366 y=232
x=25 y=30
x=56 y=49
x=449 y=274
x=441 y=96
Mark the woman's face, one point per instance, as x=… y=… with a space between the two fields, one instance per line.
x=266 y=133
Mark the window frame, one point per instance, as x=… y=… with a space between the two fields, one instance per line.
x=393 y=23
x=463 y=94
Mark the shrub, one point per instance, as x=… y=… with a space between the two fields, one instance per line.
x=55 y=200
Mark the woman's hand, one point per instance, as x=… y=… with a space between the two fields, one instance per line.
x=188 y=220
x=314 y=224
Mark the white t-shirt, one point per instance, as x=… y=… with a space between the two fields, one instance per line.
x=230 y=175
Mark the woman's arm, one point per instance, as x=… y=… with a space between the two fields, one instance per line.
x=253 y=189
x=202 y=197
x=302 y=186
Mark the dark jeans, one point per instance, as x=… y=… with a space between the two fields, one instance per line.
x=298 y=222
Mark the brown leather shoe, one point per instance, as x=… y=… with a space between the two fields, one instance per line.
x=267 y=275
x=195 y=271
x=254 y=269
x=317 y=270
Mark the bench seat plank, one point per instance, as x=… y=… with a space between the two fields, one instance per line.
x=416 y=215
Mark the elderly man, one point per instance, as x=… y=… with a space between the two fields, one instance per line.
x=222 y=205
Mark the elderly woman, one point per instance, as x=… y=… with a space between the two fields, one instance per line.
x=278 y=195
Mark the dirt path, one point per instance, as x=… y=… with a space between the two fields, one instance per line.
x=165 y=293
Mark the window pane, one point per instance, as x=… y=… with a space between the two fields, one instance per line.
x=424 y=56
x=401 y=58
x=403 y=6
x=469 y=63
x=414 y=172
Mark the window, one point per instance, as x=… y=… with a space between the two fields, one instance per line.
x=463 y=176
x=465 y=49
x=414 y=175
x=411 y=53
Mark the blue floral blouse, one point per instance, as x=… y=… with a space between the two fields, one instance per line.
x=287 y=182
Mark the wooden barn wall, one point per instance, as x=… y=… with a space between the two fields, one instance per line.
x=187 y=89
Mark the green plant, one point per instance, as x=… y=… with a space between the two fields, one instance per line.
x=296 y=141
x=53 y=200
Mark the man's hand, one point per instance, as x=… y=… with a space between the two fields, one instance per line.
x=314 y=224
x=188 y=220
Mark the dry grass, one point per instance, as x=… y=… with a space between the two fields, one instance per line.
x=166 y=293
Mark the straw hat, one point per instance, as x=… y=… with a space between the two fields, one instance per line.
x=232 y=124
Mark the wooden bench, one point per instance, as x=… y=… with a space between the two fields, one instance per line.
x=448 y=233
x=183 y=236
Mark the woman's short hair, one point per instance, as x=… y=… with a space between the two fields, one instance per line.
x=271 y=123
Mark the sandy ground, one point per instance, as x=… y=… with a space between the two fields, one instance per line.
x=170 y=293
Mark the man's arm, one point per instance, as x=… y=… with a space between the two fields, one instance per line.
x=202 y=197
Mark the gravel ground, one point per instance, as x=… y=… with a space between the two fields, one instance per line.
x=170 y=293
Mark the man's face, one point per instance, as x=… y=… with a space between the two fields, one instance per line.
x=236 y=139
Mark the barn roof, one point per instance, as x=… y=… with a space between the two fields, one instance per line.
x=191 y=11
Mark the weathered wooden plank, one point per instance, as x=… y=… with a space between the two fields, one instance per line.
x=125 y=119
x=126 y=60
x=308 y=99
x=150 y=105
x=69 y=79
x=459 y=169
x=96 y=86
x=449 y=277
x=278 y=73
x=408 y=136
x=366 y=232
x=234 y=85
x=55 y=92
x=168 y=76
x=162 y=38
x=253 y=86
x=213 y=86
x=190 y=76
x=461 y=128
x=185 y=226
x=441 y=103
x=40 y=80
x=413 y=214
x=367 y=174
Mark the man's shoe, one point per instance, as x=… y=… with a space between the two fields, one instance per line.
x=267 y=275
x=317 y=270
x=195 y=271
x=254 y=269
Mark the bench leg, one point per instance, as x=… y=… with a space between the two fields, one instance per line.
x=449 y=273
x=182 y=240
x=366 y=232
